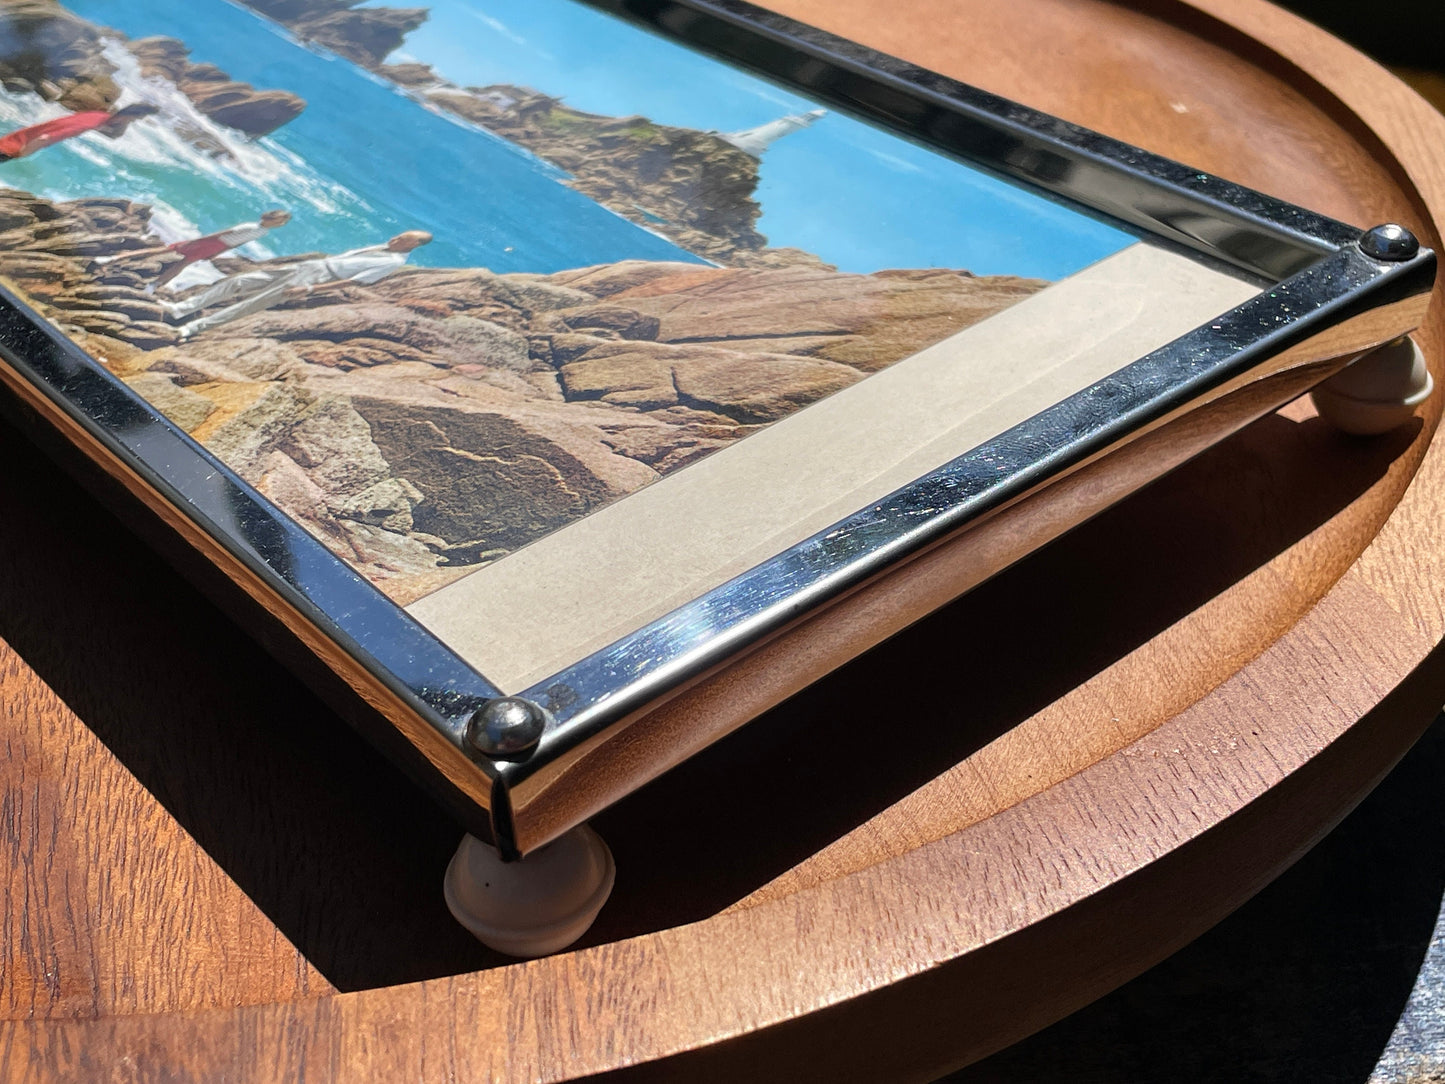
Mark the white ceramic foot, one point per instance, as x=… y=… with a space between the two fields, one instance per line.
x=538 y=905
x=1376 y=392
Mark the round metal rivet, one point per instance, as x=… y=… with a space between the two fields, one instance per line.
x=506 y=727
x=1389 y=242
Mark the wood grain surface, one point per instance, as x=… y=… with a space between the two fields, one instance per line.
x=1100 y=752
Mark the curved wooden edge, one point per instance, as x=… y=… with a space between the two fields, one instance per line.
x=969 y=964
x=961 y=932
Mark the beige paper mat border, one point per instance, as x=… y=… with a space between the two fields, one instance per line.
x=549 y=605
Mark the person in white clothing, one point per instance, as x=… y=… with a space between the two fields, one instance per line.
x=256 y=291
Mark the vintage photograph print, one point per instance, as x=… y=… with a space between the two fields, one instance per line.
x=440 y=281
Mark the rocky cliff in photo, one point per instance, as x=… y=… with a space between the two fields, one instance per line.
x=692 y=187
x=46 y=50
x=444 y=417
x=214 y=93
x=365 y=35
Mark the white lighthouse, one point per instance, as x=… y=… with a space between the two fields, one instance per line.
x=756 y=140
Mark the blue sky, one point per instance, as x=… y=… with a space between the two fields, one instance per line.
x=857 y=196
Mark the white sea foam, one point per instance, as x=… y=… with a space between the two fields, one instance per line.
x=180 y=136
x=23 y=110
x=170 y=225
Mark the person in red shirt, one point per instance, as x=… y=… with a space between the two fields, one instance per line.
x=26 y=141
x=213 y=244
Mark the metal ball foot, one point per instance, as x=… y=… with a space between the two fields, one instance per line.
x=536 y=906
x=1376 y=392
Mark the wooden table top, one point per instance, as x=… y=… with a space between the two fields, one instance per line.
x=204 y=874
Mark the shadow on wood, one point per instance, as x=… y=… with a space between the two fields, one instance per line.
x=346 y=856
x=716 y=828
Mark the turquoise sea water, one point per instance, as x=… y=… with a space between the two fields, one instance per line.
x=360 y=164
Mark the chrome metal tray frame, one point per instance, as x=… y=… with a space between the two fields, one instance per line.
x=1315 y=278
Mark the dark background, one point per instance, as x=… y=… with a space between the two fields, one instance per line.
x=1397 y=32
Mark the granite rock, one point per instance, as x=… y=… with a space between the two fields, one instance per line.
x=446 y=416
x=226 y=101
x=47 y=50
